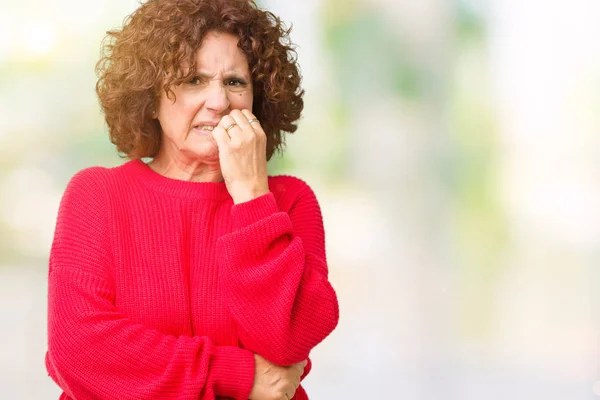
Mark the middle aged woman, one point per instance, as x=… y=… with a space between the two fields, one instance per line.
x=195 y=275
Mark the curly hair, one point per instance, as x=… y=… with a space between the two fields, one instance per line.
x=148 y=54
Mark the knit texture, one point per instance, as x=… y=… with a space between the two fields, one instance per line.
x=164 y=289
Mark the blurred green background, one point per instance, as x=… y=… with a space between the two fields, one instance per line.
x=454 y=147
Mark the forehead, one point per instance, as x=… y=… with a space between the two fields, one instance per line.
x=220 y=50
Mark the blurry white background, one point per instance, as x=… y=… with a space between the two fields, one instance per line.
x=454 y=147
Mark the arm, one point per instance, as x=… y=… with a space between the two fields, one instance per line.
x=275 y=276
x=94 y=352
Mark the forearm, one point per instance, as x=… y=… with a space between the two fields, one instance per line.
x=286 y=310
x=277 y=288
x=96 y=353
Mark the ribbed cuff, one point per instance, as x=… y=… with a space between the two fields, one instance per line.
x=246 y=213
x=232 y=369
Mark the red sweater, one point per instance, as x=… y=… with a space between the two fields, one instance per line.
x=164 y=289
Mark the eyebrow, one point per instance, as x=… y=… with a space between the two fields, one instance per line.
x=228 y=74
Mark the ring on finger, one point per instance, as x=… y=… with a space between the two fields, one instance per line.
x=228 y=127
x=253 y=120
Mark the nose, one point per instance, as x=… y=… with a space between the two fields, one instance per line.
x=217 y=99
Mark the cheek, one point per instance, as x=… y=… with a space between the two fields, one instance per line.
x=183 y=111
x=187 y=105
x=241 y=101
x=174 y=118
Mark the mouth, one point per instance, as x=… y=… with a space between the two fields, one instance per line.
x=204 y=128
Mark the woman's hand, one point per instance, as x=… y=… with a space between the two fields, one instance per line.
x=242 y=155
x=272 y=382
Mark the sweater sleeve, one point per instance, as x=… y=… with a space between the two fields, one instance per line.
x=94 y=352
x=275 y=277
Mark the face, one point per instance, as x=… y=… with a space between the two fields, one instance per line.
x=222 y=83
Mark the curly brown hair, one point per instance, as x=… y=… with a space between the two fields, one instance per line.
x=148 y=54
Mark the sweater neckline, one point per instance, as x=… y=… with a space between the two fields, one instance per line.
x=175 y=187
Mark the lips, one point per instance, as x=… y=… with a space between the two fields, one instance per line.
x=204 y=127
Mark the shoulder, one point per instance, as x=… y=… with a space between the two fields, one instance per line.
x=290 y=191
x=91 y=176
x=86 y=181
x=92 y=186
x=287 y=184
x=83 y=221
x=96 y=179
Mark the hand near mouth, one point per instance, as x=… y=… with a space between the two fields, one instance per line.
x=242 y=147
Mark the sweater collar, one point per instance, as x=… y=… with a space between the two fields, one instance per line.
x=174 y=187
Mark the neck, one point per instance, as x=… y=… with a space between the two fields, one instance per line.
x=186 y=170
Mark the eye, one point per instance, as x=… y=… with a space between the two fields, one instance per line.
x=196 y=80
x=235 y=82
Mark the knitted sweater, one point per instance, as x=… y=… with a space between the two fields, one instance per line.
x=164 y=289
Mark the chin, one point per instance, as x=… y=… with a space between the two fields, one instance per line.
x=206 y=152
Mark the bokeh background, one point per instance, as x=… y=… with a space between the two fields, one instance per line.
x=453 y=145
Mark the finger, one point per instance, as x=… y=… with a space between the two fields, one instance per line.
x=254 y=122
x=243 y=123
x=300 y=366
x=288 y=384
x=298 y=376
x=229 y=125
x=220 y=136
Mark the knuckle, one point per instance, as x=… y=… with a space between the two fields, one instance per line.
x=261 y=139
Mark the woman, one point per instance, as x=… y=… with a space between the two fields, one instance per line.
x=194 y=276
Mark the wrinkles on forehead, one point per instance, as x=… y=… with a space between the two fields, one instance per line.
x=218 y=55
